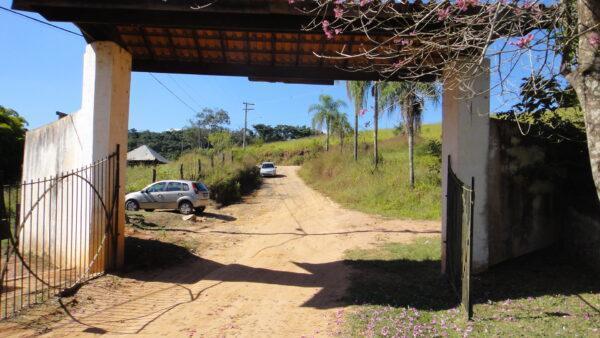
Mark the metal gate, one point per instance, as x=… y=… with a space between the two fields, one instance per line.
x=460 y=200
x=56 y=233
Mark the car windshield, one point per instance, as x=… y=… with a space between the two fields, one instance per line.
x=160 y=186
x=268 y=165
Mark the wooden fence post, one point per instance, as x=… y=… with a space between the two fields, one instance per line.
x=153 y=175
x=199 y=167
x=212 y=161
x=222 y=158
x=181 y=171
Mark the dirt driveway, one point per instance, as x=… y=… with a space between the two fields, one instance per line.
x=271 y=266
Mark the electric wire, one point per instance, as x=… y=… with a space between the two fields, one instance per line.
x=81 y=35
x=40 y=21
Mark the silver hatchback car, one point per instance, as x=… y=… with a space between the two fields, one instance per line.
x=185 y=196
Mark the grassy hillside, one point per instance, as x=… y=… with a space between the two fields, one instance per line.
x=384 y=191
x=295 y=152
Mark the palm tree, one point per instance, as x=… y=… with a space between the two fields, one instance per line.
x=376 y=90
x=357 y=92
x=410 y=98
x=325 y=111
x=341 y=126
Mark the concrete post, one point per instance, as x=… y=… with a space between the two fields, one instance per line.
x=106 y=90
x=465 y=137
x=73 y=142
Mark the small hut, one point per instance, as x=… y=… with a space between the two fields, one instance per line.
x=145 y=155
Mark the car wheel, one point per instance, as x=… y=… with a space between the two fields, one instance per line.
x=200 y=210
x=186 y=207
x=132 y=205
x=149 y=210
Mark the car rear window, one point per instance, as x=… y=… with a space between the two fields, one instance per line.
x=268 y=165
x=200 y=186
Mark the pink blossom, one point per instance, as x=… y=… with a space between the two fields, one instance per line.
x=443 y=14
x=594 y=39
x=362 y=112
x=523 y=41
x=338 y=11
x=463 y=5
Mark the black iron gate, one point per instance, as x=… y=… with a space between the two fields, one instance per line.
x=56 y=233
x=460 y=200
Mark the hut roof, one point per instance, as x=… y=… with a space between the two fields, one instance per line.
x=145 y=154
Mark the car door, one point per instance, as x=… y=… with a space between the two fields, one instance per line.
x=154 y=196
x=173 y=192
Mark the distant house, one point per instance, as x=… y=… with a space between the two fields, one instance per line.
x=146 y=156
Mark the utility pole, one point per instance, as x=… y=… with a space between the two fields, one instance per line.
x=247 y=107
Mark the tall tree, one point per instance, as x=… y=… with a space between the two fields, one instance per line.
x=409 y=97
x=357 y=92
x=376 y=90
x=341 y=126
x=12 y=138
x=324 y=113
x=207 y=121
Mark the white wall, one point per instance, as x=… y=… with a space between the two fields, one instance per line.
x=75 y=141
x=465 y=137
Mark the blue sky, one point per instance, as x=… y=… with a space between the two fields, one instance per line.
x=41 y=73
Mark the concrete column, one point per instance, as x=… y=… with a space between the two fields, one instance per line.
x=105 y=98
x=465 y=137
x=63 y=209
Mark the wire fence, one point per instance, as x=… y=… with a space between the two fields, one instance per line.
x=56 y=233
x=459 y=229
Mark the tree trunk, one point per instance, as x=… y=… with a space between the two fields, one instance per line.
x=411 y=158
x=410 y=133
x=327 y=138
x=376 y=125
x=356 y=134
x=586 y=80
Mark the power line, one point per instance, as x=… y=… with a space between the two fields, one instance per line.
x=173 y=93
x=79 y=34
x=247 y=108
x=41 y=21
x=184 y=90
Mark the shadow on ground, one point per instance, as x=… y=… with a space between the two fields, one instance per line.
x=398 y=283
x=419 y=284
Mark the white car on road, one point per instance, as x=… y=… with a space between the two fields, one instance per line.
x=268 y=169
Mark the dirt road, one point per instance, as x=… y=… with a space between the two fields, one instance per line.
x=272 y=266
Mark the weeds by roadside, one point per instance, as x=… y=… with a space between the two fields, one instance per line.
x=385 y=191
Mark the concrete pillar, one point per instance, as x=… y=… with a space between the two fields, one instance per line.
x=106 y=91
x=465 y=137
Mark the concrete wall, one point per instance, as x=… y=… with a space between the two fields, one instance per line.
x=465 y=135
x=524 y=205
x=540 y=193
x=78 y=140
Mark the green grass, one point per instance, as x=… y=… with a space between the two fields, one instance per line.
x=397 y=289
x=384 y=191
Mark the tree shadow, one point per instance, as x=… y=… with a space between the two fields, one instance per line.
x=226 y=218
x=419 y=284
x=545 y=272
x=397 y=283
